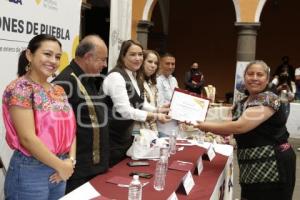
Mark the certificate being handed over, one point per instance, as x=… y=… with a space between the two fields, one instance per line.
x=188 y=107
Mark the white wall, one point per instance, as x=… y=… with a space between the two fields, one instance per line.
x=25 y=20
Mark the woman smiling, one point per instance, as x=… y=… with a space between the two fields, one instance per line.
x=266 y=160
x=125 y=100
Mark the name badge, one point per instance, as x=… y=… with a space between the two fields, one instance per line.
x=210 y=154
x=173 y=196
x=188 y=182
x=199 y=168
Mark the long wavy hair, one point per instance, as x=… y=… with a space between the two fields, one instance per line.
x=141 y=76
x=124 y=49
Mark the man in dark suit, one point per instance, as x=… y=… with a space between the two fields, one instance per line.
x=79 y=81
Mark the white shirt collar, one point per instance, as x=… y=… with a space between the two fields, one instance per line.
x=130 y=73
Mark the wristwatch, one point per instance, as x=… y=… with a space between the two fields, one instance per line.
x=73 y=160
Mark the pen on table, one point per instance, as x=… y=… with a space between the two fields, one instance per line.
x=184 y=162
x=125 y=185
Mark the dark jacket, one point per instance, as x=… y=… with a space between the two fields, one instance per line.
x=120 y=129
x=85 y=166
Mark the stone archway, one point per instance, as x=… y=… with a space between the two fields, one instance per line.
x=145 y=23
x=247 y=22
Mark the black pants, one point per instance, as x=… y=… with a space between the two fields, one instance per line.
x=275 y=191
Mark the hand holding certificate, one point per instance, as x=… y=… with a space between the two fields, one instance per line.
x=188 y=107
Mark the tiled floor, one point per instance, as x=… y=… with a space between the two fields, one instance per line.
x=236 y=189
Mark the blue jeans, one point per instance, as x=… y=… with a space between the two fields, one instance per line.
x=28 y=179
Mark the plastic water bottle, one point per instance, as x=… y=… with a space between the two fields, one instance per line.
x=160 y=173
x=284 y=96
x=164 y=151
x=172 y=142
x=135 y=189
x=199 y=136
x=285 y=102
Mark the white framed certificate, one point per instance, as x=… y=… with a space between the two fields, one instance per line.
x=186 y=106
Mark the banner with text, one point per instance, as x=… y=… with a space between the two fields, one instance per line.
x=120 y=28
x=239 y=86
x=20 y=20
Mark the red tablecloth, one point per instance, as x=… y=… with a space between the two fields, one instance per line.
x=205 y=183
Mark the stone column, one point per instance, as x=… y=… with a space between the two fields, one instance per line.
x=246 y=45
x=142 y=32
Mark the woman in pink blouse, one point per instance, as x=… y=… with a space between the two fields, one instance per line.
x=40 y=126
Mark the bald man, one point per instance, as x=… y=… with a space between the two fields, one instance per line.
x=78 y=80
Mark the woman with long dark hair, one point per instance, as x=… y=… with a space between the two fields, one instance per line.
x=125 y=100
x=40 y=126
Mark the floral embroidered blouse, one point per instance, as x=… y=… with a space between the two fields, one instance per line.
x=55 y=123
x=266 y=98
x=270 y=132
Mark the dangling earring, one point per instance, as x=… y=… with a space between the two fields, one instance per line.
x=27 y=68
